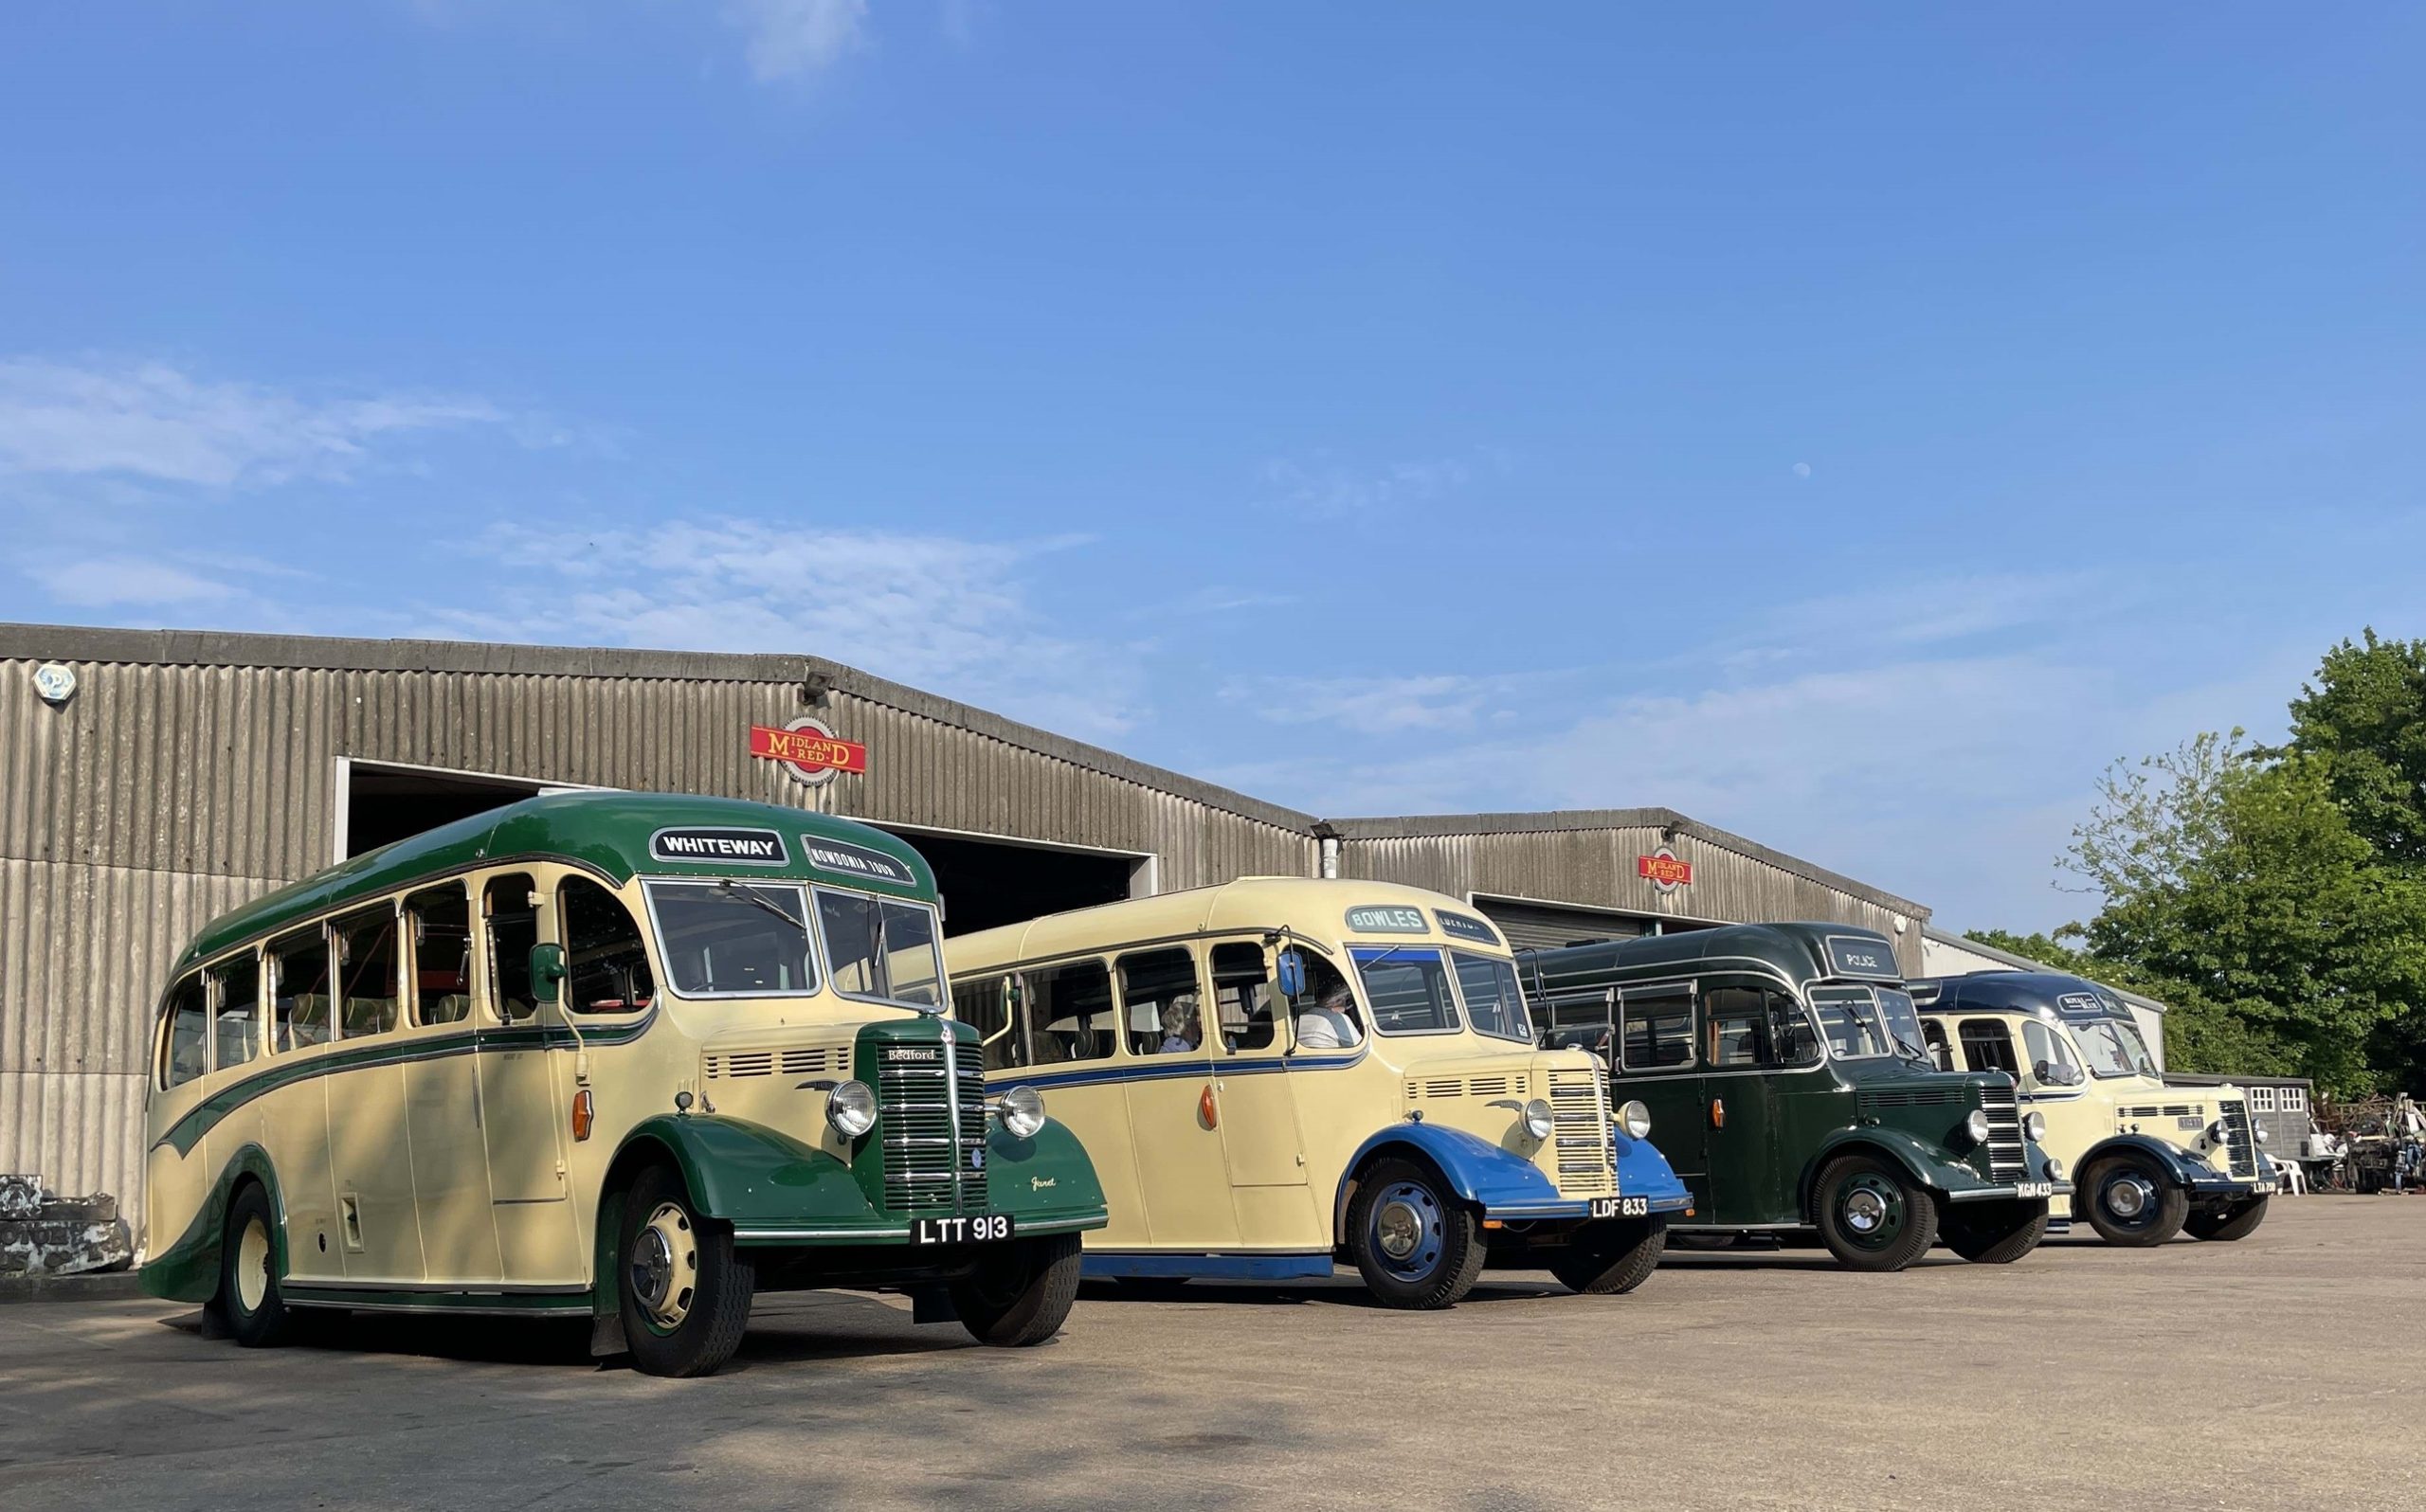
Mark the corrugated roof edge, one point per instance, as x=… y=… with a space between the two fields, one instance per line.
x=1424 y=826
x=230 y=648
x=2022 y=962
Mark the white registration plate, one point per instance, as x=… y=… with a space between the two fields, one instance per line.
x=972 y=1228
x=1621 y=1207
x=2035 y=1189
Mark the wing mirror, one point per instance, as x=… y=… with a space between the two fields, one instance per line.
x=1292 y=971
x=547 y=972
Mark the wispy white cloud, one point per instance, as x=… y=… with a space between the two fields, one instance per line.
x=1329 y=490
x=154 y=422
x=1372 y=706
x=785 y=39
x=951 y=615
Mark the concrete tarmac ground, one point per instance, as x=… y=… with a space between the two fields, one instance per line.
x=2282 y=1372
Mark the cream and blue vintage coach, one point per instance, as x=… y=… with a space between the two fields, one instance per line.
x=613 y=1055
x=2149 y=1160
x=1279 y=1072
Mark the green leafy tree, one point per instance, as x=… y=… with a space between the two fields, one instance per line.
x=2242 y=882
x=2366 y=714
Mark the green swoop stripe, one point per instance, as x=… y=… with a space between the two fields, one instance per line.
x=188 y=1131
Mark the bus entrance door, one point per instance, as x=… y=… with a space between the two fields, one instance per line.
x=1258 y=1103
x=522 y=1107
x=1174 y=1115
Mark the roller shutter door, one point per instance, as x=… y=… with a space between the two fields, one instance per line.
x=1541 y=927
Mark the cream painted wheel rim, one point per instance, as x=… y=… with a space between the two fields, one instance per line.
x=665 y=1266
x=252 y=1265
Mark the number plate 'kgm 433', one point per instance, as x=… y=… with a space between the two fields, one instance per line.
x=975 y=1228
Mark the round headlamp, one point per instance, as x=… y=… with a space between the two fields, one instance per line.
x=851 y=1108
x=2034 y=1125
x=2215 y=1132
x=2260 y=1132
x=1636 y=1120
x=1540 y=1119
x=1022 y=1111
x=2054 y=1169
x=1977 y=1125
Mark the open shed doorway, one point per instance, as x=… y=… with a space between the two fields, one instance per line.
x=986 y=881
x=380 y=803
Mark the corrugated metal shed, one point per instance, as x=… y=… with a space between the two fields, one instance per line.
x=1588 y=858
x=194 y=770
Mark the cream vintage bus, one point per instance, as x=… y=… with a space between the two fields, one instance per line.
x=613 y=1055
x=2149 y=1160
x=1278 y=1073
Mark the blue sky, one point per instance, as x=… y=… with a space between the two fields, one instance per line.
x=1852 y=428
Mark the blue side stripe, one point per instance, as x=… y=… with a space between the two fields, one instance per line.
x=1182 y=1068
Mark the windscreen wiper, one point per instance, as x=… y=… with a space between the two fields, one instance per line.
x=749 y=895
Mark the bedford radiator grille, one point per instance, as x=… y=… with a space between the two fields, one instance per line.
x=2005 y=1159
x=928 y=1165
x=2238 y=1142
x=1580 y=1122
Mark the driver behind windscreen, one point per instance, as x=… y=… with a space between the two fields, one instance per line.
x=1330 y=1023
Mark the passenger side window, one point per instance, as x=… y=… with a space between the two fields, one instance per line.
x=2051 y=1050
x=1163 y=1003
x=605 y=962
x=367 y=971
x=1068 y=1011
x=1245 y=1008
x=1941 y=1055
x=441 y=920
x=1580 y=1023
x=985 y=1005
x=1657 y=1029
x=513 y=922
x=1987 y=1045
x=300 y=1014
x=236 y=1027
x=186 y=1054
x=1738 y=1022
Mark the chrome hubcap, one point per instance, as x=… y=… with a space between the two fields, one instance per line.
x=666 y=1266
x=1401 y=1230
x=1406 y=1231
x=1864 y=1213
x=2128 y=1196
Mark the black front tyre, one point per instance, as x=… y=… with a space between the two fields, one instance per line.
x=2237 y=1221
x=2131 y=1201
x=1020 y=1293
x=248 y=1303
x=1872 y=1216
x=1413 y=1243
x=1612 y=1263
x=685 y=1296
x=1994 y=1233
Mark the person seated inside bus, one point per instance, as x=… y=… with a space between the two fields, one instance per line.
x=1181 y=1031
x=1330 y=1021
x=1244 y=1002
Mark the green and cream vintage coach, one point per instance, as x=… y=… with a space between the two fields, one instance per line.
x=625 y=1056
x=1784 y=1070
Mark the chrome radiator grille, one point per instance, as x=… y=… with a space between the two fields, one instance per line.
x=2005 y=1159
x=930 y=1145
x=1580 y=1106
x=2239 y=1145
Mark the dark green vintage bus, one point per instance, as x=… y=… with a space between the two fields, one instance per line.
x=1786 y=1072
